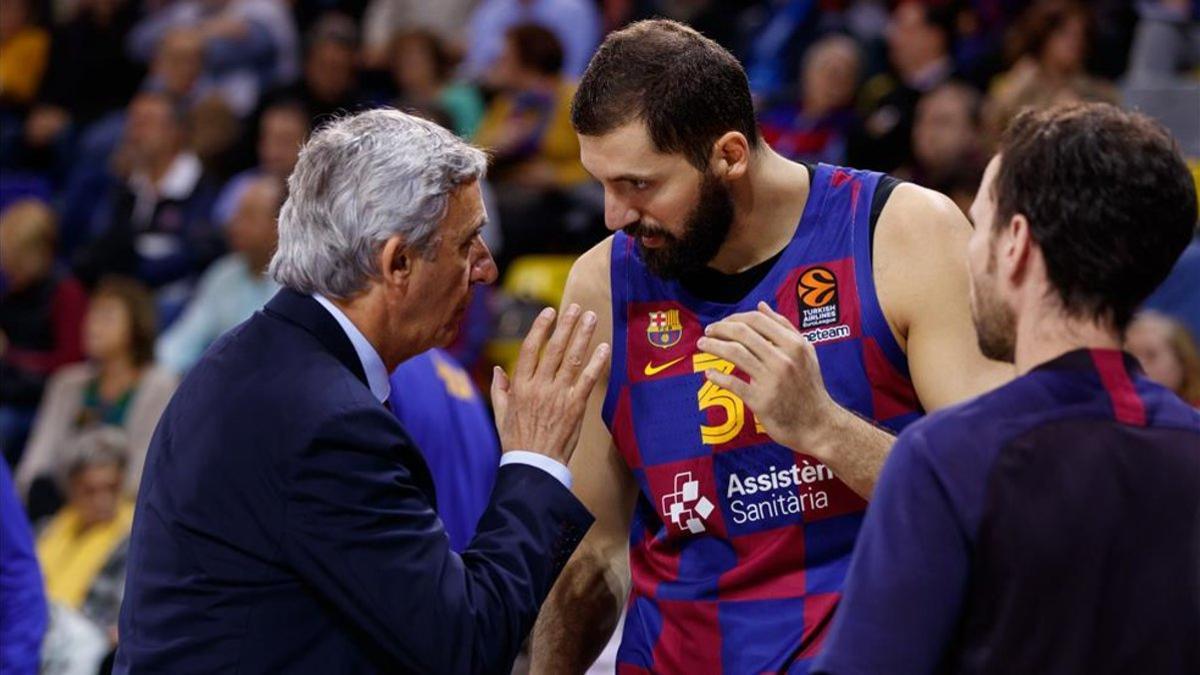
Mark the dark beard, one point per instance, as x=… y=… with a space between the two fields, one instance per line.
x=995 y=323
x=704 y=230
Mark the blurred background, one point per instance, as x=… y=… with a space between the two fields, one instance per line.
x=145 y=144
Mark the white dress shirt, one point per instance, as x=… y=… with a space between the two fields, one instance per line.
x=381 y=387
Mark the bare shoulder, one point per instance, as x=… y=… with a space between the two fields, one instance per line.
x=916 y=217
x=589 y=283
x=919 y=253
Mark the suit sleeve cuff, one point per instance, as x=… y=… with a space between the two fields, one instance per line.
x=550 y=466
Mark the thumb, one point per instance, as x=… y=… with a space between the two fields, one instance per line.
x=499 y=393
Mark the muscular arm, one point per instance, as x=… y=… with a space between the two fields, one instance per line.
x=920 y=266
x=921 y=275
x=583 y=608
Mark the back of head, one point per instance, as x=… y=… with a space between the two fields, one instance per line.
x=1108 y=198
x=687 y=89
x=360 y=180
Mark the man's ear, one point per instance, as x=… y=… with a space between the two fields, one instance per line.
x=1017 y=248
x=396 y=261
x=730 y=156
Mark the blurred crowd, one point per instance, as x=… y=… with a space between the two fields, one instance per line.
x=145 y=147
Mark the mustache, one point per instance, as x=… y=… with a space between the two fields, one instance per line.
x=640 y=229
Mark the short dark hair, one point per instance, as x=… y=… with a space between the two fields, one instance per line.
x=686 y=88
x=536 y=48
x=1108 y=198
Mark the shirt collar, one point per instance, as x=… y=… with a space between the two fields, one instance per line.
x=179 y=180
x=377 y=375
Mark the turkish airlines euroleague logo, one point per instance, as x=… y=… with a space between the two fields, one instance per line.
x=818 y=293
x=818 y=287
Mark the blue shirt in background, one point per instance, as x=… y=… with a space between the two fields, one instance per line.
x=23 y=612
x=436 y=402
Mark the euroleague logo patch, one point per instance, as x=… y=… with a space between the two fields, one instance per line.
x=818 y=294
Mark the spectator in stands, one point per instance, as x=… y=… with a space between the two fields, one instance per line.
x=282 y=129
x=1166 y=44
x=23 y=51
x=1048 y=48
x=946 y=141
x=576 y=24
x=177 y=68
x=920 y=39
x=82 y=547
x=177 y=72
x=119 y=386
x=23 y=611
x=422 y=68
x=249 y=45
x=89 y=74
x=235 y=286
x=1167 y=352
x=535 y=152
x=330 y=84
x=41 y=314
x=817 y=127
x=159 y=223
x=441 y=410
x=385 y=18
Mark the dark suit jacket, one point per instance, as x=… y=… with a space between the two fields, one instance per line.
x=286 y=523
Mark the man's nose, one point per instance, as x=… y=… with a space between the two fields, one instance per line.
x=618 y=214
x=484 y=271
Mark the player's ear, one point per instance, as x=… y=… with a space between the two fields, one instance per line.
x=730 y=156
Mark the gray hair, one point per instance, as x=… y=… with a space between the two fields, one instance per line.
x=98 y=446
x=361 y=180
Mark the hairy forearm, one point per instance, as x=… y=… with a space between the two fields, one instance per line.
x=854 y=449
x=579 y=615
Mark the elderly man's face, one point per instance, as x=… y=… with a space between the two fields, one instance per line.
x=442 y=279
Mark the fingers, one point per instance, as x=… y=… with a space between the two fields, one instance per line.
x=576 y=355
x=776 y=316
x=591 y=374
x=552 y=355
x=770 y=329
x=528 y=358
x=736 y=331
x=499 y=392
x=733 y=352
x=732 y=383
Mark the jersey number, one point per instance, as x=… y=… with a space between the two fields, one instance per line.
x=712 y=396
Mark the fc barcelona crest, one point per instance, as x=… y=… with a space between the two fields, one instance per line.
x=664 y=329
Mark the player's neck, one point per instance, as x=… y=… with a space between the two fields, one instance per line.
x=767 y=206
x=1047 y=333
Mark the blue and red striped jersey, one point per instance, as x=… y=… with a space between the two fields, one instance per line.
x=739 y=546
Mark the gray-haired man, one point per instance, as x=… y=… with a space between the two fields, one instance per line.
x=286 y=523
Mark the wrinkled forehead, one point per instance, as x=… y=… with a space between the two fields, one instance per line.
x=627 y=153
x=465 y=211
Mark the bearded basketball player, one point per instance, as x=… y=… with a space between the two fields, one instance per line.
x=773 y=326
